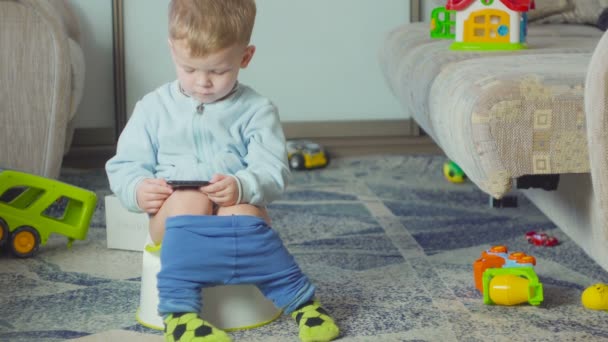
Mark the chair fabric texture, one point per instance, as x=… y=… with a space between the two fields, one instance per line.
x=42 y=70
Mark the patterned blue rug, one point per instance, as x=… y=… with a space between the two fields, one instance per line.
x=387 y=241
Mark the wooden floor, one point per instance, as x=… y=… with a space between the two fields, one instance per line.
x=96 y=157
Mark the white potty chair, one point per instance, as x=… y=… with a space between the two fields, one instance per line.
x=228 y=307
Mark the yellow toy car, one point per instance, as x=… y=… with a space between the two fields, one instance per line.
x=33 y=207
x=305 y=154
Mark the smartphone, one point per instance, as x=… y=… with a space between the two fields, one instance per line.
x=186 y=184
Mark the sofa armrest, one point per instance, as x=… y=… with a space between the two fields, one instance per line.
x=596 y=110
x=69 y=19
x=35 y=60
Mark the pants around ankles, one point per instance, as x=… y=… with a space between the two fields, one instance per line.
x=204 y=251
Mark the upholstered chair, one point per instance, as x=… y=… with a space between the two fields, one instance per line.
x=41 y=83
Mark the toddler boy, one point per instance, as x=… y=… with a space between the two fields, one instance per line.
x=207 y=126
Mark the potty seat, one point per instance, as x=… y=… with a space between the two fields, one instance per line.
x=228 y=307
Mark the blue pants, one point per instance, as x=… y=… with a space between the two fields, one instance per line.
x=204 y=251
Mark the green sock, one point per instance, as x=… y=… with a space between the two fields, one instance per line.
x=315 y=323
x=188 y=327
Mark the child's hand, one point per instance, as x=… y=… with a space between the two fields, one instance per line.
x=152 y=193
x=223 y=190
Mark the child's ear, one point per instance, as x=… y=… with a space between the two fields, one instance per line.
x=247 y=56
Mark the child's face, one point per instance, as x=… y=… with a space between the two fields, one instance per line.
x=213 y=76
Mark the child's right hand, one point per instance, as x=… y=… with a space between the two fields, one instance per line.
x=151 y=194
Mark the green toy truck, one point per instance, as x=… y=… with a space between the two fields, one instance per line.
x=33 y=207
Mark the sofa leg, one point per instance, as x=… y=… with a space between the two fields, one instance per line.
x=545 y=182
x=508 y=201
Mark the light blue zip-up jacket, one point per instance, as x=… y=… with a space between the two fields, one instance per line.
x=172 y=136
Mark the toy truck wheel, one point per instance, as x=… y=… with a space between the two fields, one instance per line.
x=296 y=162
x=3 y=232
x=25 y=241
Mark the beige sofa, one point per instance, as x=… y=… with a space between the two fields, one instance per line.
x=42 y=77
x=505 y=115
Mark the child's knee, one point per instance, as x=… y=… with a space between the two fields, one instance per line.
x=187 y=202
x=181 y=202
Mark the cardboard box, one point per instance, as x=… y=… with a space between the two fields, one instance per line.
x=125 y=230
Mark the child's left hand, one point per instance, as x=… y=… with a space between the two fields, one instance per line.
x=223 y=190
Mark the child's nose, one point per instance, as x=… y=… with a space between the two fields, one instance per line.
x=203 y=81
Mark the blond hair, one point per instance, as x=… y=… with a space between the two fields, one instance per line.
x=208 y=26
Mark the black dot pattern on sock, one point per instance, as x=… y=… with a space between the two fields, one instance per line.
x=322 y=311
x=314 y=321
x=179 y=331
x=299 y=317
x=203 y=331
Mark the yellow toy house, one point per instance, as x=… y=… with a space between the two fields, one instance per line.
x=490 y=24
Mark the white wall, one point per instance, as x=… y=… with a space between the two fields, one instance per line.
x=428 y=6
x=147 y=60
x=316 y=59
x=97 y=106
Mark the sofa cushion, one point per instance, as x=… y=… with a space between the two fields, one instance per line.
x=411 y=60
x=576 y=12
x=480 y=107
x=545 y=8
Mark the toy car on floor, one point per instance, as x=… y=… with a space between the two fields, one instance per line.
x=541 y=239
x=453 y=173
x=305 y=154
x=33 y=207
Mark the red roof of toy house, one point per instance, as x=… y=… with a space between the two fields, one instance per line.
x=515 y=5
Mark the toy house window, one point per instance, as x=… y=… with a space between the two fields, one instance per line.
x=489 y=25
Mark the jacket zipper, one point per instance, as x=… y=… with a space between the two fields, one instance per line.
x=202 y=145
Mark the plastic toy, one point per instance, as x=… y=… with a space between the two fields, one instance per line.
x=443 y=24
x=595 y=297
x=507 y=278
x=304 y=154
x=33 y=207
x=453 y=173
x=483 y=24
x=541 y=239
